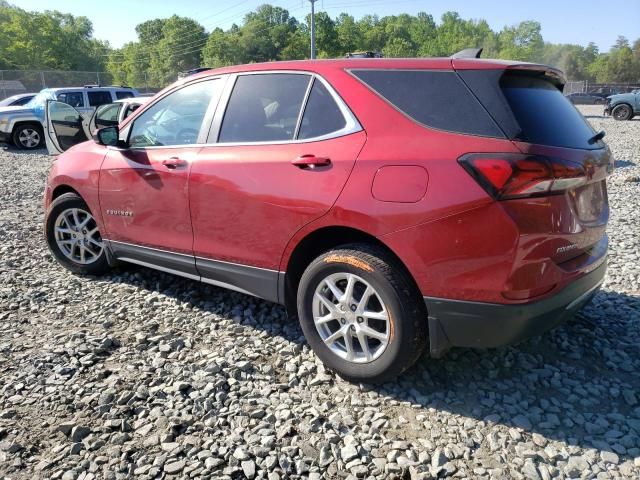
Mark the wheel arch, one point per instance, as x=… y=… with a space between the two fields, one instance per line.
x=625 y=104
x=322 y=240
x=62 y=189
x=19 y=123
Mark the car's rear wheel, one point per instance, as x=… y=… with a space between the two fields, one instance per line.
x=361 y=313
x=28 y=136
x=622 y=112
x=73 y=236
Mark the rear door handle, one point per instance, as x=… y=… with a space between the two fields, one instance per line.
x=311 y=161
x=173 y=163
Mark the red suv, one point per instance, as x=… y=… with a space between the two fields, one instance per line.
x=390 y=204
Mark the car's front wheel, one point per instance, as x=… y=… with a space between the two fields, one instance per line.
x=361 y=313
x=622 y=112
x=28 y=136
x=73 y=236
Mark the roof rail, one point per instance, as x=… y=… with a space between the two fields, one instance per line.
x=93 y=85
x=468 y=53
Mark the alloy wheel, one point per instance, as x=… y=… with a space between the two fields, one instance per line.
x=29 y=138
x=351 y=318
x=77 y=236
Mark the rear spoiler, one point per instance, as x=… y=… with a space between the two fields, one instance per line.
x=552 y=74
x=468 y=53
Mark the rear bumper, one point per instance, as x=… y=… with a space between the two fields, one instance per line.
x=485 y=325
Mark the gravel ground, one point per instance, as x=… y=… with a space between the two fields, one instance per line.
x=142 y=374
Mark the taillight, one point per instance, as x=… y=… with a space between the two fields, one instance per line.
x=506 y=176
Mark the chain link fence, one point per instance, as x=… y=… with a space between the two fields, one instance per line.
x=13 y=82
x=584 y=86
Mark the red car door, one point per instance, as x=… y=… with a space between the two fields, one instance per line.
x=144 y=188
x=280 y=154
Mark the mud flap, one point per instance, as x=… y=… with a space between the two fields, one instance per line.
x=438 y=341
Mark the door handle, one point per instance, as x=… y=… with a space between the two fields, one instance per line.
x=173 y=163
x=311 y=161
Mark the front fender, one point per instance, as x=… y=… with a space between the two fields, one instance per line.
x=78 y=169
x=17 y=118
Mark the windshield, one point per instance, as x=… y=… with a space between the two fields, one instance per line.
x=40 y=99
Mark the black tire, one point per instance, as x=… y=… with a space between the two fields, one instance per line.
x=65 y=202
x=622 y=112
x=25 y=131
x=407 y=314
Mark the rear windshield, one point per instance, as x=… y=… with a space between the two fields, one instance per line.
x=437 y=99
x=544 y=115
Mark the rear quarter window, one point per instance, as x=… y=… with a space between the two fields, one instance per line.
x=436 y=99
x=122 y=94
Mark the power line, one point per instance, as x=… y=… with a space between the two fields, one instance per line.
x=194 y=49
x=191 y=46
x=218 y=23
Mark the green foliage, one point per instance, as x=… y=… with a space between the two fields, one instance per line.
x=49 y=40
x=165 y=47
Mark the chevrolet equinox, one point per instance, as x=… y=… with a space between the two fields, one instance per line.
x=389 y=204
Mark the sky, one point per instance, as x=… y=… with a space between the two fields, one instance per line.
x=563 y=21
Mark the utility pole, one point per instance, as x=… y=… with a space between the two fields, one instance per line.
x=313 y=29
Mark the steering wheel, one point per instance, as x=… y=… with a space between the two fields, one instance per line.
x=187 y=136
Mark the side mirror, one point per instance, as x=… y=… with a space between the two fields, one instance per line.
x=107 y=136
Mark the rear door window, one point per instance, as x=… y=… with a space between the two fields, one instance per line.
x=99 y=98
x=71 y=98
x=544 y=115
x=322 y=115
x=433 y=98
x=264 y=107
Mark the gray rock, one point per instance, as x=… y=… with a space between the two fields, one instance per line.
x=249 y=469
x=79 y=433
x=348 y=453
x=174 y=467
x=609 y=457
x=241 y=454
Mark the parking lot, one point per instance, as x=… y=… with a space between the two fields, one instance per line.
x=143 y=374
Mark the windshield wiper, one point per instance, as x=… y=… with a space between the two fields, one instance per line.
x=597 y=137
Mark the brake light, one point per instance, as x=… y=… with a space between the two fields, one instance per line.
x=506 y=176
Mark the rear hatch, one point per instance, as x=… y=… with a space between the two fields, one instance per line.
x=555 y=190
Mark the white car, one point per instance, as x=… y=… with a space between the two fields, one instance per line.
x=23 y=125
x=17 y=100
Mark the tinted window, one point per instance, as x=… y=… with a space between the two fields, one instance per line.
x=544 y=115
x=120 y=94
x=264 y=108
x=437 y=99
x=71 y=98
x=21 y=101
x=99 y=98
x=175 y=119
x=321 y=115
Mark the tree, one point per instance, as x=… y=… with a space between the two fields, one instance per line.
x=166 y=46
x=48 y=40
x=349 y=35
x=521 y=42
x=399 y=48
